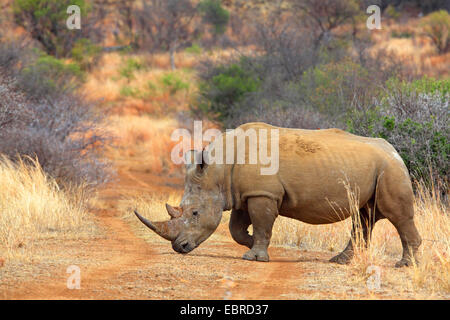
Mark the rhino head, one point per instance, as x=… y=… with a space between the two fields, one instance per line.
x=200 y=210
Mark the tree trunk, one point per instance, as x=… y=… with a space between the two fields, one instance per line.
x=172 y=50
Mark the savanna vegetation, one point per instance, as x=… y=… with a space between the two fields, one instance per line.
x=83 y=110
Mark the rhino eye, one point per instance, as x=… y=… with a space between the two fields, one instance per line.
x=194 y=213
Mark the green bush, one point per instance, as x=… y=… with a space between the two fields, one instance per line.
x=174 y=83
x=413 y=117
x=224 y=88
x=436 y=26
x=392 y=12
x=128 y=69
x=47 y=77
x=401 y=34
x=331 y=88
x=419 y=154
x=422 y=85
x=45 y=20
x=214 y=14
x=127 y=91
x=85 y=53
x=194 y=49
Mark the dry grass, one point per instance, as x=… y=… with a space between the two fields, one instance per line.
x=433 y=222
x=152 y=207
x=144 y=143
x=146 y=90
x=182 y=60
x=412 y=48
x=33 y=208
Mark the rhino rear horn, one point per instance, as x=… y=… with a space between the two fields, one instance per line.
x=169 y=230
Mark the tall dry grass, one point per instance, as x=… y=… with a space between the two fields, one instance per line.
x=142 y=143
x=433 y=222
x=33 y=207
x=412 y=48
x=431 y=273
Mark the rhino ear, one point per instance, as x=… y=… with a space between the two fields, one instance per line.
x=195 y=160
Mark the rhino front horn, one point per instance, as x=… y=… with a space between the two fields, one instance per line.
x=173 y=212
x=169 y=230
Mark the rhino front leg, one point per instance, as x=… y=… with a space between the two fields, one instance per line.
x=239 y=223
x=262 y=212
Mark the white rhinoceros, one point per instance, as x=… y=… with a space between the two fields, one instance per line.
x=308 y=186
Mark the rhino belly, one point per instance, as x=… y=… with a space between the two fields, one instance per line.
x=318 y=213
x=320 y=195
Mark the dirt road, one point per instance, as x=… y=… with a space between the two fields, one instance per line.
x=120 y=265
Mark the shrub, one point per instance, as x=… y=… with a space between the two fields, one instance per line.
x=12 y=104
x=194 y=49
x=422 y=85
x=127 y=91
x=10 y=53
x=234 y=94
x=45 y=20
x=401 y=34
x=337 y=88
x=413 y=117
x=436 y=26
x=37 y=74
x=173 y=83
x=331 y=88
x=64 y=134
x=214 y=14
x=288 y=74
x=128 y=69
x=391 y=12
x=48 y=77
x=223 y=88
x=284 y=116
x=85 y=53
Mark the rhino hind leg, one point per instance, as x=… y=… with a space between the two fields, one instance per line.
x=395 y=200
x=410 y=242
x=362 y=227
x=262 y=212
x=410 y=239
x=239 y=223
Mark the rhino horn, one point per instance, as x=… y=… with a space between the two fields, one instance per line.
x=169 y=230
x=173 y=212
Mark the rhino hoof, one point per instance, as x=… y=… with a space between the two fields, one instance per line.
x=341 y=258
x=404 y=263
x=256 y=256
